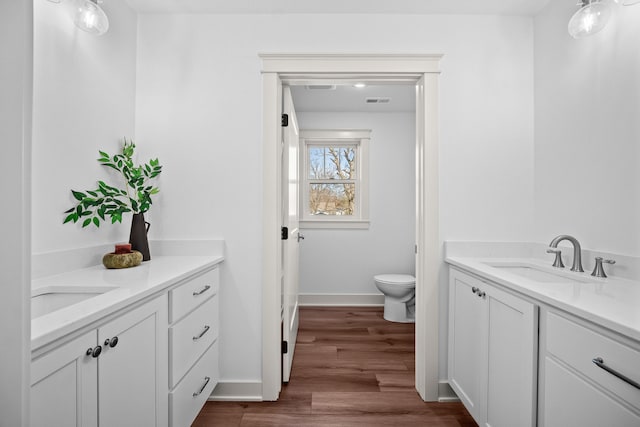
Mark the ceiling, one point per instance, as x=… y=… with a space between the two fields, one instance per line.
x=346 y=98
x=472 y=7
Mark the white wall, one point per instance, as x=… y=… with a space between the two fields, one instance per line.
x=199 y=104
x=587 y=156
x=345 y=261
x=15 y=251
x=84 y=97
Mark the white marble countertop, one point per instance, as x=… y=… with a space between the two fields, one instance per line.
x=611 y=302
x=124 y=287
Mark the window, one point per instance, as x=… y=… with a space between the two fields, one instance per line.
x=334 y=178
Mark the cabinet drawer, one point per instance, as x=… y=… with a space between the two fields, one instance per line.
x=571 y=401
x=185 y=298
x=191 y=336
x=577 y=346
x=195 y=388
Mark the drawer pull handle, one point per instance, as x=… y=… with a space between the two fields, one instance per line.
x=206 y=381
x=600 y=364
x=202 y=291
x=204 y=331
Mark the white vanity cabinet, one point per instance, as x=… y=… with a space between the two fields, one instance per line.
x=193 y=346
x=113 y=375
x=493 y=337
x=575 y=391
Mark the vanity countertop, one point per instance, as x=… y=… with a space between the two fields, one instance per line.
x=610 y=302
x=126 y=287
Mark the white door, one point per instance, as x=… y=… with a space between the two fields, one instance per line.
x=290 y=220
x=133 y=367
x=511 y=359
x=466 y=317
x=64 y=385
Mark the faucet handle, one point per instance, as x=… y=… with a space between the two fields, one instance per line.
x=598 y=271
x=558 y=261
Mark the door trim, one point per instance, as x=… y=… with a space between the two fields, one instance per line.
x=423 y=70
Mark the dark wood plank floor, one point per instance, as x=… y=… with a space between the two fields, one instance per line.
x=351 y=368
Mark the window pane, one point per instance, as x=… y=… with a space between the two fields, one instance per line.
x=331 y=199
x=332 y=162
x=317 y=162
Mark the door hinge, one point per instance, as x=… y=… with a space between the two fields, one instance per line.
x=285 y=120
x=285 y=347
x=284 y=233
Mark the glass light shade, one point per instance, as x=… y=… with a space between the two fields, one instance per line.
x=590 y=19
x=90 y=17
x=627 y=2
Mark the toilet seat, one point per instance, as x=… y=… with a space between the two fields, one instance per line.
x=395 y=279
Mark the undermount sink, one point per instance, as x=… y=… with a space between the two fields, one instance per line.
x=538 y=274
x=53 y=298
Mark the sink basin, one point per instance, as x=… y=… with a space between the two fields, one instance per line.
x=50 y=299
x=538 y=275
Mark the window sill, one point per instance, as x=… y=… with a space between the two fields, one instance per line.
x=336 y=224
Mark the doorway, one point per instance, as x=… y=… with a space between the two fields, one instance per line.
x=421 y=70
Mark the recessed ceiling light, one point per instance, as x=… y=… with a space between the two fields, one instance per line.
x=360 y=85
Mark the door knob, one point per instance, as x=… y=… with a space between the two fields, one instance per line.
x=300 y=237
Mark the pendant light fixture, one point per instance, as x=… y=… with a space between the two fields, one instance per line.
x=592 y=17
x=90 y=17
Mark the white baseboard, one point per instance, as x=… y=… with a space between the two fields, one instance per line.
x=360 y=300
x=446 y=393
x=237 y=391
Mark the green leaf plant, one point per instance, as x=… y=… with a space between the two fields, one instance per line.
x=94 y=206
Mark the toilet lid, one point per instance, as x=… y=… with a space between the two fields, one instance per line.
x=398 y=279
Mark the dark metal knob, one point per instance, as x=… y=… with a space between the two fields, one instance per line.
x=474 y=290
x=111 y=342
x=94 y=352
x=481 y=294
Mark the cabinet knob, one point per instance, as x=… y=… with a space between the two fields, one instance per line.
x=481 y=294
x=111 y=342
x=94 y=352
x=474 y=290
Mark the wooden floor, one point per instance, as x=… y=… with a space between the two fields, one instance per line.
x=351 y=368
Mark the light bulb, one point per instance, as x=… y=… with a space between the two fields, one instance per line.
x=591 y=18
x=90 y=17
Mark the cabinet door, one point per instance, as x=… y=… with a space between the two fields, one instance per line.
x=64 y=390
x=571 y=401
x=132 y=376
x=466 y=318
x=511 y=373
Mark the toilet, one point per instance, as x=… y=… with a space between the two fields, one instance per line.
x=399 y=296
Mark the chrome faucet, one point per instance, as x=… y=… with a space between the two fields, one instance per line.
x=577 y=250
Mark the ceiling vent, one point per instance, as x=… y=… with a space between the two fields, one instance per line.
x=378 y=100
x=321 y=87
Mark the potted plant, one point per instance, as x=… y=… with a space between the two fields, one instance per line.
x=94 y=206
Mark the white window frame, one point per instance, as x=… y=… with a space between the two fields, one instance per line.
x=348 y=137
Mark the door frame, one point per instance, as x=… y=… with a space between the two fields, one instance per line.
x=420 y=69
